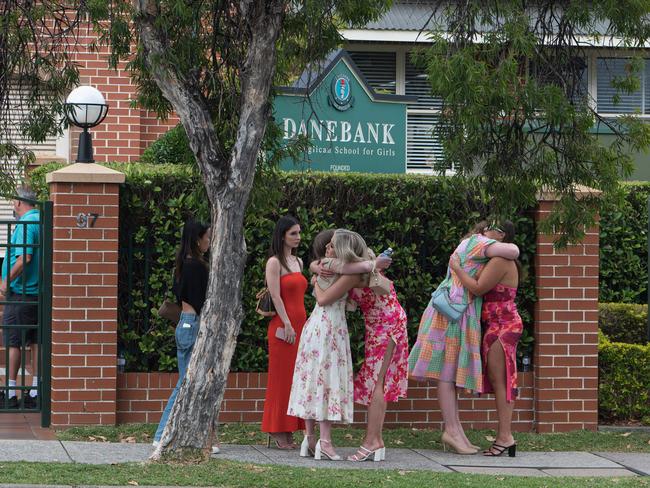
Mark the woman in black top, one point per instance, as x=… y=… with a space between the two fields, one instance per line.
x=190 y=284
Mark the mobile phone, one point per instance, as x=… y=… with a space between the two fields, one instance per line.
x=279 y=333
x=387 y=252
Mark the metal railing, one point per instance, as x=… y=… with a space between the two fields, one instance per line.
x=42 y=250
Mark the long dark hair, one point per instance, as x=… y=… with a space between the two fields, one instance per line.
x=277 y=243
x=508 y=229
x=192 y=232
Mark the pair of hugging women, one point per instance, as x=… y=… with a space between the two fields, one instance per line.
x=322 y=388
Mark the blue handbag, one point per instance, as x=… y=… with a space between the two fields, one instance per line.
x=442 y=303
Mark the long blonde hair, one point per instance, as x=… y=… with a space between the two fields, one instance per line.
x=349 y=246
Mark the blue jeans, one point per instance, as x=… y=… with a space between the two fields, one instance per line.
x=186 y=332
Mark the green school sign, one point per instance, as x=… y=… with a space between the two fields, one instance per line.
x=349 y=125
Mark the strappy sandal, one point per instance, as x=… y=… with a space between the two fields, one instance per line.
x=318 y=452
x=282 y=447
x=290 y=440
x=363 y=454
x=496 y=450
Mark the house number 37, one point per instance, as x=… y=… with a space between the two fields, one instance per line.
x=87 y=220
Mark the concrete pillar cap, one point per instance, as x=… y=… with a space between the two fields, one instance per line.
x=85 y=173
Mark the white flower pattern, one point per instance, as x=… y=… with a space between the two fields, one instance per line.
x=322 y=387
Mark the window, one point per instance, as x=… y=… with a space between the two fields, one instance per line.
x=379 y=69
x=607 y=69
x=417 y=84
x=423 y=147
x=16 y=106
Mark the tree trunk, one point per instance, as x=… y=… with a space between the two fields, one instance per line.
x=228 y=181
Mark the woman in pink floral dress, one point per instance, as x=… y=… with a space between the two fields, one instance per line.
x=383 y=376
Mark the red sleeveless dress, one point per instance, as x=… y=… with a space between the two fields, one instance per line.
x=501 y=322
x=282 y=357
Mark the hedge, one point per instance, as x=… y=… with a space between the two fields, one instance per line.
x=624 y=245
x=624 y=381
x=421 y=218
x=623 y=322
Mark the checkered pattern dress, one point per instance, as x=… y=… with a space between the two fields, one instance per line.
x=451 y=351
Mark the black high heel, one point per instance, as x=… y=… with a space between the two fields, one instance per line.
x=497 y=450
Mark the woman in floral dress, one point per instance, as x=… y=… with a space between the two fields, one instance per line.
x=383 y=376
x=322 y=387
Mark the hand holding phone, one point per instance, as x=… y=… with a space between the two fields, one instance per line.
x=279 y=333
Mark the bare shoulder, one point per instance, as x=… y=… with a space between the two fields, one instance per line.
x=273 y=264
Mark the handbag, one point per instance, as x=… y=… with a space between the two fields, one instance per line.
x=443 y=304
x=170 y=310
x=379 y=283
x=264 y=305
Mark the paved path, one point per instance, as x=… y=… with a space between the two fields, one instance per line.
x=565 y=463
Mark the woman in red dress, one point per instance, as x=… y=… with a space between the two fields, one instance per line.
x=287 y=287
x=502 y=328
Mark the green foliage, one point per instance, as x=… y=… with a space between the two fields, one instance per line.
x=624 y=381
x=171 y=148
x=624 y=245
x=515 y=111
x=623 y=322
x=422 y=219
x=36 y=74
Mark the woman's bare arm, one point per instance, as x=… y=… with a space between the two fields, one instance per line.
x=492 y=274
x=503 y=250
x=273 y=284
x=340 y=287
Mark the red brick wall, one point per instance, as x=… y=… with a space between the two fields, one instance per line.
x=141 y=397
x=126 y=132
x=84 y=306
x=566 y=332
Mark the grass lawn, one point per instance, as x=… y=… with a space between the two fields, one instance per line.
x=232 y=474
x=395 y=438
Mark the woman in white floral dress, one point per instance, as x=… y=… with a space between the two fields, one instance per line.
x=322 y=387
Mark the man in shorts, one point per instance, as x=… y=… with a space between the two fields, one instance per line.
x=19 y=283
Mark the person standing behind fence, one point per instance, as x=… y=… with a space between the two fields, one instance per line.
x=190 y=285
x=287 y=287
x=19 y=283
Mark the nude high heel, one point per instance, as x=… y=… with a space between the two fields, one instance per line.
x=447 y=441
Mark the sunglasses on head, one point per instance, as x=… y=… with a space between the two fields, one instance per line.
x=495 y=228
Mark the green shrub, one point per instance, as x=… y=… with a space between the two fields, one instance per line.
x=421 y=218
x=171 y=148
x=624 y=322
x=624 y=381
x=624 y=245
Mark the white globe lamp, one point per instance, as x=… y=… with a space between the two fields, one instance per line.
x=85 y=107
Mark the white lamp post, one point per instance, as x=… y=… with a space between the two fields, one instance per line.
x=85 y=108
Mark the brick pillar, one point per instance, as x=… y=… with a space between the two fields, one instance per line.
x=566 y=331
x=84 y=294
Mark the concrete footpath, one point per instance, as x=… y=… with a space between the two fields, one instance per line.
x=564 y=463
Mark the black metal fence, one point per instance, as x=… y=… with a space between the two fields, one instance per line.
x=27 y=317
